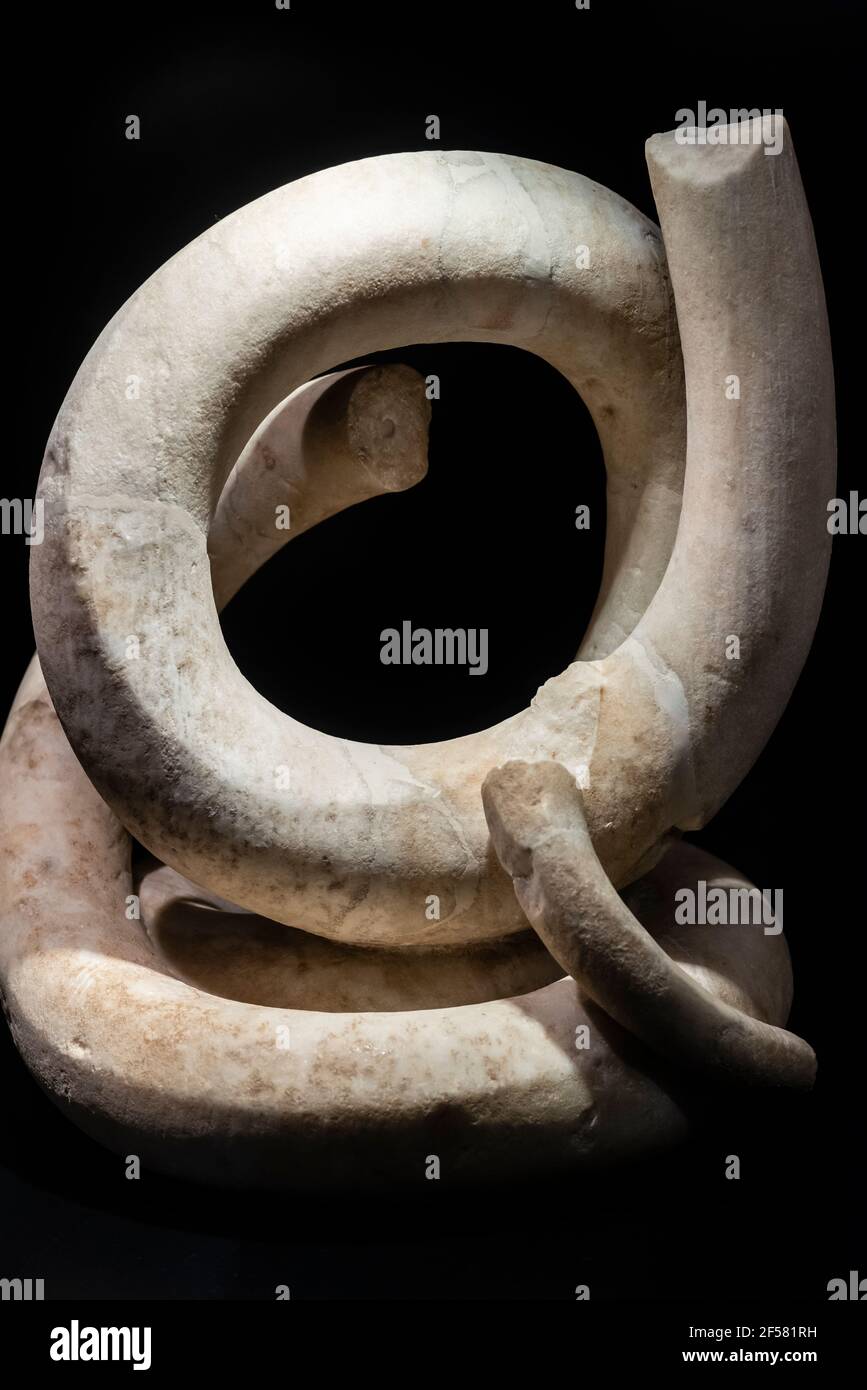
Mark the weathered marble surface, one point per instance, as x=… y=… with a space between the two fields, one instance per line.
x=240 y=1093
x=240 y=1061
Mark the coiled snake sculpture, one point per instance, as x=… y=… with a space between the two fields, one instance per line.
x=263 y=1000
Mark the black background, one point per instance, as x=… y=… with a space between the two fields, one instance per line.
x=235 y=100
